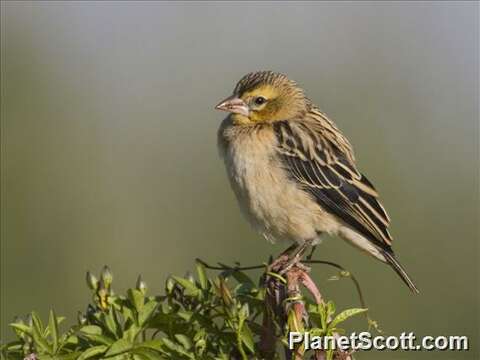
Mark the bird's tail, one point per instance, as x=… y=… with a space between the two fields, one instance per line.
x=400 y=271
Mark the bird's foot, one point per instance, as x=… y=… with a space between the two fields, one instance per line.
x=295 y=261
x=284 y=263
x=278 y=263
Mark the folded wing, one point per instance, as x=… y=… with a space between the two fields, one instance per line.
x=321 y=160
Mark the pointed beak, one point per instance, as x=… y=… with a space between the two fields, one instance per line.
x=234 y=105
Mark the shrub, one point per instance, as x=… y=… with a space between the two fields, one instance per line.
x=223 y=317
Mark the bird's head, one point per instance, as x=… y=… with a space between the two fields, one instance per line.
x=265 y=96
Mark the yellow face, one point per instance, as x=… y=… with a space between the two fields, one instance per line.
x=265 y=102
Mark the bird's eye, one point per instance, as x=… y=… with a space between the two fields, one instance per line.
x=260 y=100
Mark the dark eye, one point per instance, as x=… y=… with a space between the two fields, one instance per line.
x=260 y=100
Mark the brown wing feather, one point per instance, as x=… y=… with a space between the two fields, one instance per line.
x=321 y=159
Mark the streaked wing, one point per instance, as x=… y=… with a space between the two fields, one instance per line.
x=321 y=159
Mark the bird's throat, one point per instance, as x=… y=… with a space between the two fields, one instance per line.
x=239 y=119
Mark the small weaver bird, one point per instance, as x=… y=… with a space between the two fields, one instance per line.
x=294 y=174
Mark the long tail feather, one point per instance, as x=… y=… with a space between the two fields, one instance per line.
x=400 y=271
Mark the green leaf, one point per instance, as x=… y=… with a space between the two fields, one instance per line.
x=177 y=348
x=12 y=356
x=22 y=328
x=322 y=309
x=200 y=346
x=93 y=351
x=128 y=314
x=68 y=339
x=155 y=344
x=53 y=327
x=316 y=332
x=184 y=340
x=99 y=339
x=69 y=356
x=38 y=335
x=344 y=315
x=202 y=275
x=170 y=344
x=14 y=346
x=37 y=322
x=131 y=332
x=185 y=315
x=91 y=329
x=190 y=288
x=243 y=313
x=136 y=298
x=242 y=278
x=147 y=312
x=330 y=309
x=146 y=353
x=44 y=357
x=293 y=323
x=119 y=347
x=243 y=289
x=111 y=321
x=247 y=338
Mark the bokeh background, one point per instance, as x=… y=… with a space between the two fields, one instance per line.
x=109 y=146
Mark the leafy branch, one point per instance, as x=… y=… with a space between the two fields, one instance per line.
x=224 y=317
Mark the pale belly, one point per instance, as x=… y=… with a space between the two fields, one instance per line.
x=273 y=203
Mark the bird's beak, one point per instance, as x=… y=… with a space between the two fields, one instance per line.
x=234 y=105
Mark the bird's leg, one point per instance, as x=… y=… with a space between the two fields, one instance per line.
x=295 y=257
x=281 y=259
x=309 y=257
x=289 y=249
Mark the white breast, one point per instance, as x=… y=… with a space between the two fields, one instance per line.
x=271 y=201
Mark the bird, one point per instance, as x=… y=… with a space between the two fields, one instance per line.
x=294 y=173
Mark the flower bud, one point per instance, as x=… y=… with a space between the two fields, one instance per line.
x=102 y=295
x=141 y=285
x=107 y=276
x=82 y=319
x=189 y=277
x=169 y=285
x=29 y=320
x=92 y=281
x=90 y=311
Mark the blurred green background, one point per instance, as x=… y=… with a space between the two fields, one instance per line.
x=109 y=146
